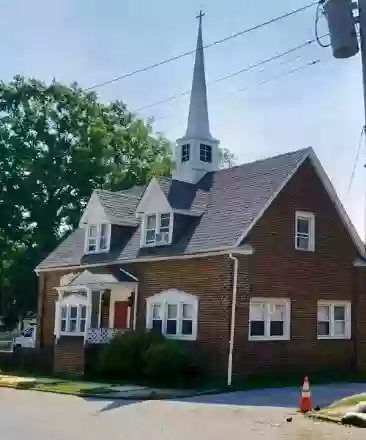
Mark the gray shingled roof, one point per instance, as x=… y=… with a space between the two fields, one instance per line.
x=229 y=200
x=120 y=206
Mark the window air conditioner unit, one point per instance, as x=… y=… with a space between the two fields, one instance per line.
x=162 y=237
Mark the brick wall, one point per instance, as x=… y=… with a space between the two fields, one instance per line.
x=69 y=355
x=211 y=280
x=278 y=270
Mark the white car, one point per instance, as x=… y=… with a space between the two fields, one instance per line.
x=27 y=338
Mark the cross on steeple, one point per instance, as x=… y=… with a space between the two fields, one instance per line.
x=200 y=16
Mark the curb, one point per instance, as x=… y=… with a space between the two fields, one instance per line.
x=107 y=395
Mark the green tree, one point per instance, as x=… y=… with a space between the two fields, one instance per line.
x=58 y=143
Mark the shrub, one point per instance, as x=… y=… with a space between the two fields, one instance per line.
x=122 y=358
x=170 y=362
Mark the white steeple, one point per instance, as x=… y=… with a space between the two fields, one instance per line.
x=197 y=151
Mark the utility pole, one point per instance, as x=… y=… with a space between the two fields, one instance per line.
x=343 y=36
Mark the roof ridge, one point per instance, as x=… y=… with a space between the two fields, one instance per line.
x=277 y=156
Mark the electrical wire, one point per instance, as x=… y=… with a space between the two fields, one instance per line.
x=274 y=78
x=357 y=158
x=231 y=75
x=319 y=12
x=214 y=43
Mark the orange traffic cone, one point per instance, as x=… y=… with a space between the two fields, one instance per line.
x=305 y=400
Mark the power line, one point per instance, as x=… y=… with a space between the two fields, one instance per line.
x=273 y=78
x=298 y=69
x=355 y=164
x=231 y=75
x=214 y=43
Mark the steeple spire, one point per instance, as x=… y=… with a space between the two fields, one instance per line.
x=198 y=125
x=197 y=152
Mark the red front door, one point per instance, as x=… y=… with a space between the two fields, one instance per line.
x=120 y=314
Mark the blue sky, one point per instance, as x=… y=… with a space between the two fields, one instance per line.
x=92 y=41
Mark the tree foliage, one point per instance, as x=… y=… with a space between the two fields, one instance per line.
x=57 y=144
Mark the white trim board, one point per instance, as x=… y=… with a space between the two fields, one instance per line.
x=330 y=191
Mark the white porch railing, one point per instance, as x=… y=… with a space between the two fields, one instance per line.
x=101 y=335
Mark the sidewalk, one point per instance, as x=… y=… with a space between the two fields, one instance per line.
x=92 y=389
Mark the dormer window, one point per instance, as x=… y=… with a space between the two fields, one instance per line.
x=205 y=153
x=98 y=238
x=186 y=150
x=158 y=229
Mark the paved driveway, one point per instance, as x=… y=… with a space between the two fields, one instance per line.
x=43 y=416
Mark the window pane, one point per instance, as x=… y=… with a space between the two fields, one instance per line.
x=103 y=229
x=83 y=312
x=257 y=312
x=303 y=242
x=156 y=311
x=82 y=325
x=323 y=313
x=92 y=231
x=187 y=311
x=103 y=241
x=150 y=236
x=276 y=328
x=157 y=325
x=278 y=312
x=257 y=328
x=171 y=327
x=164 y=221
x=72 y=325
x=73 y=312
x=187 y=327
x=92 y=245
x=323 y=328
x=339 y=313
x=63 y=325
x=151 y=222
x=172 y=311
x=303 y=226
x=63 y=312
x=339 y=328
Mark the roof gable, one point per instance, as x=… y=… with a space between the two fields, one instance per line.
x=94 y=212
x=309 y=154
x=153 y=200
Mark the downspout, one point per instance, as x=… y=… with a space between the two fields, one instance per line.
x=135 y=306
x=233 y=315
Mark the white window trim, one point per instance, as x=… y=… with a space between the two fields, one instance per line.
x=78 y=319
x=286 y=325
x=306 y=216
x=77 y=300
x=348 y=319
x=173 y=297
x=97 y=247
x=157 y=229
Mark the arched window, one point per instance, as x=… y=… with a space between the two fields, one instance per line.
x=174 y=313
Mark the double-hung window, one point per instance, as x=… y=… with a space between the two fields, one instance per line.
x=72 y=319
x=98 y=237
x=269 y=319
x=334 y=320
x=174 y=314
x=304 y=231
x=158 y=229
